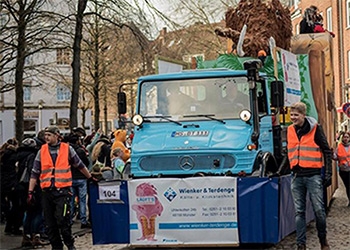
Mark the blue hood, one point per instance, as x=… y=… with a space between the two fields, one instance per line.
x=231 y=136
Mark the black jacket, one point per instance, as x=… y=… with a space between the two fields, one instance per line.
x=305 y=28
x=104 y=156
x=8 y=169
x=25 y=158
x=76 y=174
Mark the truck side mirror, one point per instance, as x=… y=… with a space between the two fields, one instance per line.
x=121 y=102
x=277 y=94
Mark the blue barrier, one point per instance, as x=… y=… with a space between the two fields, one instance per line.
x=265 y=212
x=110 y=220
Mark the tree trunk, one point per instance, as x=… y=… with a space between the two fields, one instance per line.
x=105 y=114
x=76 y=64
x=96 y=76
x=21 y=48
x=96 y=102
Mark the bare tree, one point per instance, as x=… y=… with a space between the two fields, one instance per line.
x=29 y=29
x=114 y=51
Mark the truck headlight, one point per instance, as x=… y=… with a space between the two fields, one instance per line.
x=137 y=120
x=245 y=115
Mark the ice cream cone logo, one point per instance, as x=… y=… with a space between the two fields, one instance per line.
x=147 y=208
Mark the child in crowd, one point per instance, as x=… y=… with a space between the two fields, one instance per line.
x=117 y=162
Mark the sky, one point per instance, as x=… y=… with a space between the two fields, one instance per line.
x=186 y=12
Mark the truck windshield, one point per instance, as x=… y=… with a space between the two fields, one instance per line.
x=194 y=99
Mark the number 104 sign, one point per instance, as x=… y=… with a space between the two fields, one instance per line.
x=109 y=191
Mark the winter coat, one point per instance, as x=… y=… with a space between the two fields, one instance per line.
x=76 y=173
x=8 y=169
x=25 y=159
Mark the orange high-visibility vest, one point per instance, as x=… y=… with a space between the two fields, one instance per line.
x=63 y=174
x=343 y=156
x=305 y=153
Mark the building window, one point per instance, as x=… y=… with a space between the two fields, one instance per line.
x=329 y=19
x=63 y=56
x=63 y=93
x=348 y=13
x=27 y=91
x=29 y=128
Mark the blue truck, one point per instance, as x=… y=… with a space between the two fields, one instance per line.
x=186 y=125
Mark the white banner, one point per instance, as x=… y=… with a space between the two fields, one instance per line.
x=291 y=78
x=199 y=210
x=168 y=67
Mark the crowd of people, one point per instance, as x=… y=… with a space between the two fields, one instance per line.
x=44 y=181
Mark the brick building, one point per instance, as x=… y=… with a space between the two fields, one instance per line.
x=336 y=18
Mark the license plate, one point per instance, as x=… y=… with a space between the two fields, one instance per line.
x=189 y=133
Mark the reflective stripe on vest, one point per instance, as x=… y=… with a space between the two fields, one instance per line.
x=63 y=174
x=305 y=153
x=343 y=155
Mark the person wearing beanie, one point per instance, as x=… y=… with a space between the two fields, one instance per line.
x=52 y=166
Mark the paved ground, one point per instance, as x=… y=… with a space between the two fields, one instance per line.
x=338 y=221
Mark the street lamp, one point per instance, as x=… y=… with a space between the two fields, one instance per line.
x=40 y=106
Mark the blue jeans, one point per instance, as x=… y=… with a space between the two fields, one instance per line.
x=312 y=185
x=33 y=221
x=79 y=187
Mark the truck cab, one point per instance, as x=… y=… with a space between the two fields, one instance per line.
x=205 y=122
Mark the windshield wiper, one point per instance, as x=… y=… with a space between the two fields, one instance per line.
x=209 y=116
x=163 y=117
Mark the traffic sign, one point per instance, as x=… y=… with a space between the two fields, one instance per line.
x=347 y=112
x=345 y=106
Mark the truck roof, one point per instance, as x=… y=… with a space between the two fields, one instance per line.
x=196 y=73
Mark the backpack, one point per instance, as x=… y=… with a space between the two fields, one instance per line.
x=27 y=169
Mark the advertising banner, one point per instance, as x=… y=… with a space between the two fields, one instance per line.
x=183 y=211
x=291 y=78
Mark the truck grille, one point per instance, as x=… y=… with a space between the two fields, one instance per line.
x=187 y=162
